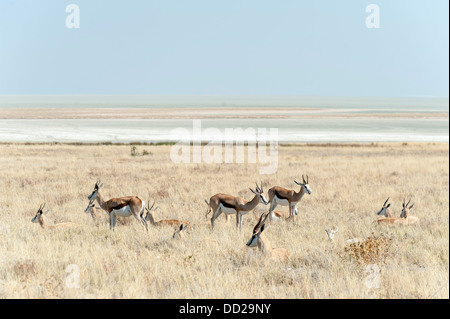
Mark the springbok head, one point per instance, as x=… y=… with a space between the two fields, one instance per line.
x=179 y=232
x=98 y=186
x=384 y=211
x=90 y=206
x=331 y=232
x=39 y=213
x=305 y=184
x=405 y=209
x=260 y=192
x=257 y=230
x=148 y=209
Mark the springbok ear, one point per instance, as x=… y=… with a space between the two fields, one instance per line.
x=388 y=205
x=252 y=191
x=262 y=228
x=298 y=183
x=101 y=186
x=47 y=211
x=411 y=206
x=181 y=226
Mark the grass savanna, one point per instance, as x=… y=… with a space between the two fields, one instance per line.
x=349 y=185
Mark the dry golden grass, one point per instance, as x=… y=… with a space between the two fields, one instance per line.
x=349 y=185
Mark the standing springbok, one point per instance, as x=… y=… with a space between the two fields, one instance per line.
x=231 y=205
x=163 y=222
x=258 y=239
x=39 y=218
x=122 y=206
x=288 y=197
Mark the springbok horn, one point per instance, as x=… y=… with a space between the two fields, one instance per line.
x=386 y=202
x=408 y=202
x=152 y=204
x=260 y=221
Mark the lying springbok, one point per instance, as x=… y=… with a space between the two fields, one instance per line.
x=179 y=233
x=384 y=211
x=288 y=197
x=163 y=222
x=277 y=215
x=258 y=239
x=331 y=232
x=122 y=206
x=39 y=218
x=404 y=219
x=90 y=209
x=231 y=205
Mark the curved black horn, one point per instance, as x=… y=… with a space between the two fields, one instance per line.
x=386 y=201
x=261 y=221
x=152 y=204
x=408 y=202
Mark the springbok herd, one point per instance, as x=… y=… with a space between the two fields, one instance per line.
x=227 y=204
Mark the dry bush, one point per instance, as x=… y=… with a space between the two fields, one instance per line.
x=372 y=250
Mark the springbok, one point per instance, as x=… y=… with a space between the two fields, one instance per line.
x=39 y=218
x=231 y=205
x=179 y=232
x=122 y=206
x=258 y=239
x=331 y=232
x=277 y=215
x=384 y=211
x=288 y=197
x=405 y=211
x=404 y=219
x=163 y=222
x=90 y=209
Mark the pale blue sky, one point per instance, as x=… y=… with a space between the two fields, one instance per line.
x=245 y=47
